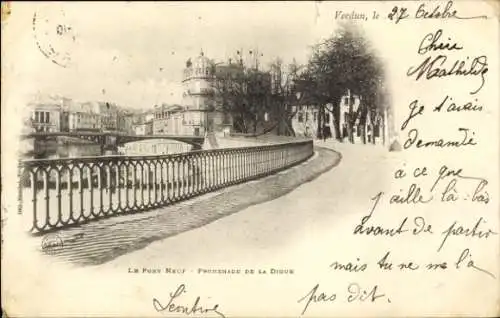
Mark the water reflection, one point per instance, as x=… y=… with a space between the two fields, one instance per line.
x=54 y=150
x=57 y=150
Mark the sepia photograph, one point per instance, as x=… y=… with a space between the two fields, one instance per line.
x=250 y=159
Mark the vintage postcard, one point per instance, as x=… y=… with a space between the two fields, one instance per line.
x=250 y=159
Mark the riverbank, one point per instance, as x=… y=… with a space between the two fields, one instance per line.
x=103 y=240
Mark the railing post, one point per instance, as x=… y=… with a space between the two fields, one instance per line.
x=102 y=142
x=175 y=177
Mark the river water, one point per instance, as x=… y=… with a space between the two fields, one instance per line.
x=55 y=150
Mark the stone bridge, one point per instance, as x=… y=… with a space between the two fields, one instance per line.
x=114 y=139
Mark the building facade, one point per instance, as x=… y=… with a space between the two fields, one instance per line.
x=45 y=117
x=167 y=119
x=349 y=113
x=306 y=119
x=144 y=128
x=367 y=123
x=179 y=120
x=109 y=116
x=204 y=108
x=125 y=122
x=81 y=117
x=53 y=113
x=199 y=113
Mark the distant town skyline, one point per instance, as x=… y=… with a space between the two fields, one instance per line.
x=134 y=54
x=114 y=59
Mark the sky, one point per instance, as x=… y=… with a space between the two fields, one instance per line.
x=134 y=53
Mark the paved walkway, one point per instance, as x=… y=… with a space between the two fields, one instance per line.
x=274 y=230
x=101 y=241
x=304 y=230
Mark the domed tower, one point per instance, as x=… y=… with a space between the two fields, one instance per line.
x=199 y=96
x=198 y=77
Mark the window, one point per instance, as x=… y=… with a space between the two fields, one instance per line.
x=47 y=117
x=42 y=117
x=315 y=116
x=301 y=117
x=37 y=114
x=227 y=118
x=346 y=100
x=327 y=117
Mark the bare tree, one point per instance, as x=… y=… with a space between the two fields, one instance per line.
x=257 y=100
x=243 y=93
x=283 y=95
x=346 y=61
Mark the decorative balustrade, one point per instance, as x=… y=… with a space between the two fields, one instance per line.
x=66 y=192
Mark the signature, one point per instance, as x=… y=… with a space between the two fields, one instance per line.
x=188 y=310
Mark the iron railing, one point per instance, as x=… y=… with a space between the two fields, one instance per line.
x=66 y=192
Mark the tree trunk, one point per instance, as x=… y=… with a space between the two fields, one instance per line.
x=288 y=127
x=322 y=111
x=364 y=135
x=350 y=130
x=335 y=112
x=281 y=116
x=290 y=131
x=384 y=134
x=244 y=125
x=336 y=129
x=319 y=132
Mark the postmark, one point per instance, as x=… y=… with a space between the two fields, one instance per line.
x=52 y=244
x=54 y=35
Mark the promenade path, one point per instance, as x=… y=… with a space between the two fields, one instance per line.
x=259 y=231
x=303 y=229
x=104 y=240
